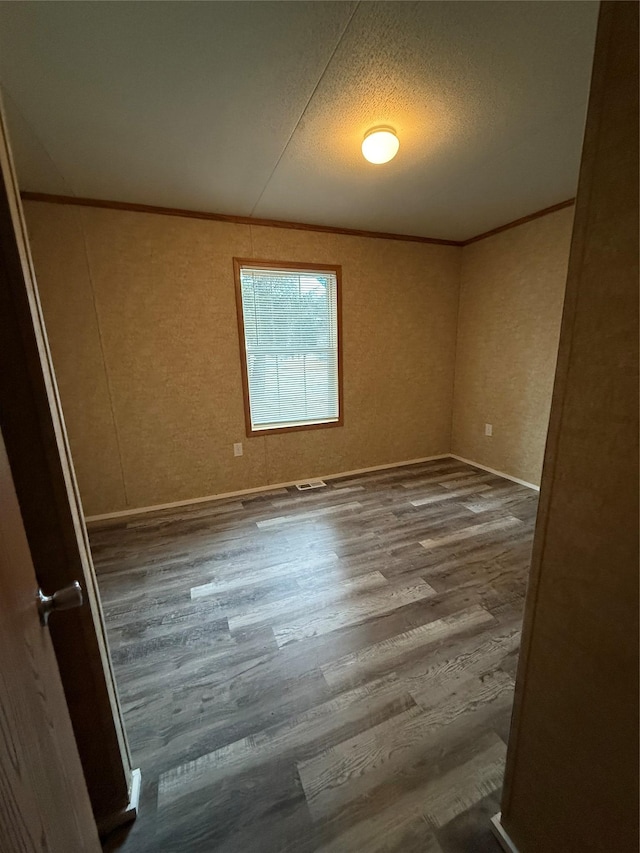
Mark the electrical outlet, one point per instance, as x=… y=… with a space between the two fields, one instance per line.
x=237 y=448
x=488 y=429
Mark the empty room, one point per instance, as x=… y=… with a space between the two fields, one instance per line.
x=319 y=409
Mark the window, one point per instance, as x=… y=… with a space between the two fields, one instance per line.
x=289 y=326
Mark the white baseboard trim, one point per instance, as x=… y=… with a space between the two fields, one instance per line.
x=125 y=513
x=503 y=839
x=497 y=473
x=129 y=813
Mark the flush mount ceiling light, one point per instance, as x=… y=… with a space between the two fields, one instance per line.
x=380 y=144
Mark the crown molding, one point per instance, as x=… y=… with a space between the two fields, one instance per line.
x=279 y=223
x=531 y=216
x=225 y=217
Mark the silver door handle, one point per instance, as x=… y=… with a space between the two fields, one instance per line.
x=64 y=599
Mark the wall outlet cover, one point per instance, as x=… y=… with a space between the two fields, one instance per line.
x=237 y=448
x=488 y=429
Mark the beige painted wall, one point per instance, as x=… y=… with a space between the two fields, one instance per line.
x=572 y=766
x=512 y=288
x=140 y=312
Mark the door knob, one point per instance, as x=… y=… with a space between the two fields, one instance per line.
x=64 y=599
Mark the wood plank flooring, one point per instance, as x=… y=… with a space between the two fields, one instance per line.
x=321 y=671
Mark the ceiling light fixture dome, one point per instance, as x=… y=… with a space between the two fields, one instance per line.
x=380 y=144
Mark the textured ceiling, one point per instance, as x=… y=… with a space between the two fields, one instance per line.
x=259 y=108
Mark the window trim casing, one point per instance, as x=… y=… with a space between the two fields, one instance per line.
x=238 y=264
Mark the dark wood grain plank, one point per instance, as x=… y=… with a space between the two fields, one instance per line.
x=321 y=671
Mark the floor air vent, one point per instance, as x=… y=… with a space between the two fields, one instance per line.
x=310 y=484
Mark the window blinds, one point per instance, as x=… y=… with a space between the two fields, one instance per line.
x=291 y=343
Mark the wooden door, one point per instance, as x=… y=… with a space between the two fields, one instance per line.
x=44 y=801
x=37 y=448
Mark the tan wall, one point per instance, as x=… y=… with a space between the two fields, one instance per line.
x=512 y=287
x=572 y=767
x=140 y=313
